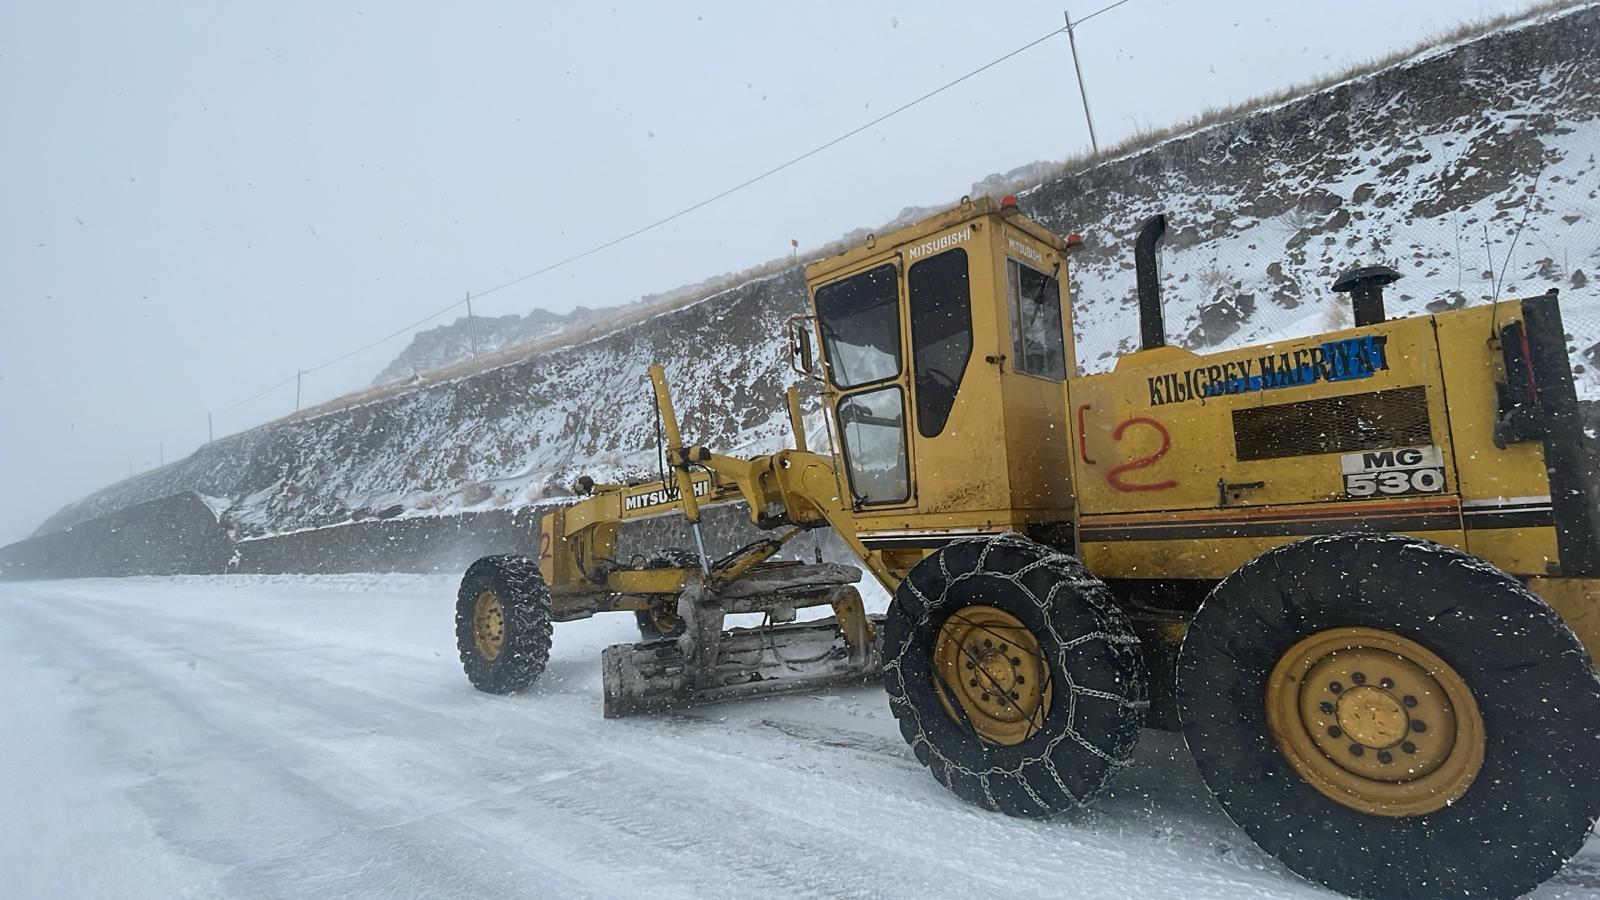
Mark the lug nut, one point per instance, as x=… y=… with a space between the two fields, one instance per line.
x=1408 y=747
x=1019 y=679
x=973 y=682
x=1016 y=660
x=985 y=695
x=1335 y=731
x=1419 y=726
x=1358 y=678
x=1336 y=687
x=969 y=664
x=1327 y=708
x=1409 y=700
x=1385 y=757
x=1357 y=749
x=1386 y=683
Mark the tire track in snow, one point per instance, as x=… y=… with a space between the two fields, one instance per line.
x=341 y=765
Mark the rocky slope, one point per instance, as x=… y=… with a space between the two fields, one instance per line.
x=468 y=337
x=1453 y=166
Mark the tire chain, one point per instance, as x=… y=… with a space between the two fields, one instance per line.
x=528 y=626
x=1104 y=610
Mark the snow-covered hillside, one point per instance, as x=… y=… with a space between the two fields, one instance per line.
x=1471 y=169
x=1465 y=161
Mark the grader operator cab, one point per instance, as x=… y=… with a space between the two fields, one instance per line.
x=1358 y=571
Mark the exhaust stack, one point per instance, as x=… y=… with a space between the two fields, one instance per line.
x=1152 y=328
x=1365 y=285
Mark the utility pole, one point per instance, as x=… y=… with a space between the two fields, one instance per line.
x=211 y=434
x=161 y=453
x=472 y=328
x=297 y=376
x=1082 y=92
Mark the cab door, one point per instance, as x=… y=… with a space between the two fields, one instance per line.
x=859 y=317
x=1036 y=343
x=956 y=415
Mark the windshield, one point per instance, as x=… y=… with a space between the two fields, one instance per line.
x=861 y=327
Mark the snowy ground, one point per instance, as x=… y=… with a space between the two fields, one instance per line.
x=314 y=737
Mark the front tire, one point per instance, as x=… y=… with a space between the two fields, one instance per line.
x=1014 y=676
x=503 y=623
x=1391 y=717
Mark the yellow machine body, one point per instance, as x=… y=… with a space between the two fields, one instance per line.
x=1173 y=483
x=949 y=374
x=1151 y=586
x=1176 y=467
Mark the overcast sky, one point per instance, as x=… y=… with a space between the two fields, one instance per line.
x=201 y=198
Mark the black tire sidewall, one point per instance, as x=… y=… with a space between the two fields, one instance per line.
x=1531 y=805
x=1054 y=770
x=525 y=606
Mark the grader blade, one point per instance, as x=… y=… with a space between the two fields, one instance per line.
x=708 y=664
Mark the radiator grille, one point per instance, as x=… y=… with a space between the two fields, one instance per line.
x=1393 y=418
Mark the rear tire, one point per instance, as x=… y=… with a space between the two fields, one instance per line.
x=967 y=632
x=1492 y=808
x=503 y=623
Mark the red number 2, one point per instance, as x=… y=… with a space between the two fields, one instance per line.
x=1114 y=477
x=544 y=546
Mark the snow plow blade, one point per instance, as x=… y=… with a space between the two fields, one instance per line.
x=709 y=665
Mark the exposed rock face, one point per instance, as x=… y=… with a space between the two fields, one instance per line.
x=465 y=338
x=1408 y=167
x=501 y=438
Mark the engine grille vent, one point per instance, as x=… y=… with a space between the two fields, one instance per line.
x=1392 y=418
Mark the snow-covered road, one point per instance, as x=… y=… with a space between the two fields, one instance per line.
x=314 y=737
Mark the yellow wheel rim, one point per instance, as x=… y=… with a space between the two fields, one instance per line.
x=989 y=674
x=489 y=625
x=1375 y=721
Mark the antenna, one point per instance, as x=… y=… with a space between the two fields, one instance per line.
x=1494 y=320
x=1526 y=208
x=1489 y=252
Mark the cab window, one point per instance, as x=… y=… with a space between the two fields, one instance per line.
x=860 y=324
x=872 y=424
x=941 y=335
x=1036 y=343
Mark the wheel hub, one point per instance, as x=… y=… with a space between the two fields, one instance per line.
x=989 y=674
x=488 y=625
x=1372 y=717
x=1375 y=721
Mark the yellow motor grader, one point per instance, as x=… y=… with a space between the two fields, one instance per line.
x=1359 y=571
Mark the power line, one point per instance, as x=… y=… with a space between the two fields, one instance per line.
x=1098 y=12
x=680 y=213
x=258 y=396
x=391 y=335
x=774 y=170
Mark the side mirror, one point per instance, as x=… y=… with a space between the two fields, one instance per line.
x=800 y=357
